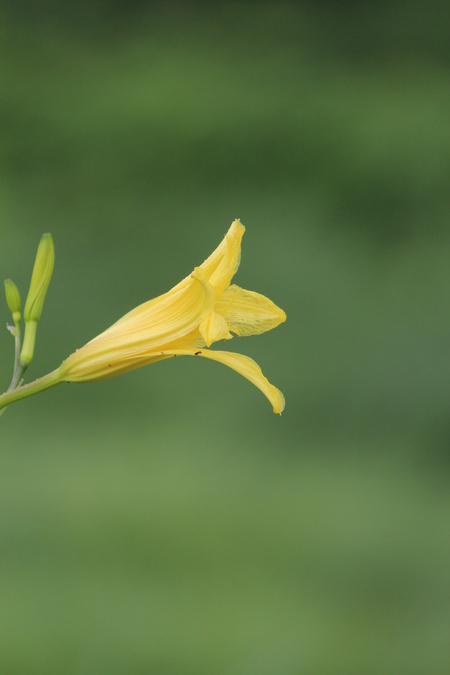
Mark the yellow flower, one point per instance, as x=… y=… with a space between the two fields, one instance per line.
x=200 y=310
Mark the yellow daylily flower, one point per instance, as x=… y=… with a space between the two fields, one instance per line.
x=202 y=309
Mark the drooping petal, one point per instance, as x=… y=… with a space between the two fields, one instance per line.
x=213 y=328
x=247 y=312
x=250 y=370
x=243 y=365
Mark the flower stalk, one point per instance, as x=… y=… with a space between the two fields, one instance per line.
x=199 y=311
x=26 y=390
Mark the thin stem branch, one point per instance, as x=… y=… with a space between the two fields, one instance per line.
x=35 y=387
x=18 y=372
x=19 y=368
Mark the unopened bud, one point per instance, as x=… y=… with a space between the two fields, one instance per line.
x=40 y=279
x=13 y=299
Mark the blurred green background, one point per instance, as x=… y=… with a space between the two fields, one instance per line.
x=166 y=522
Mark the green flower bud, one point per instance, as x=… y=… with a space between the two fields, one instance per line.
x=13 y=299
x=40 y=279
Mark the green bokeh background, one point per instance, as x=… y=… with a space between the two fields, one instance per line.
x=166 y=522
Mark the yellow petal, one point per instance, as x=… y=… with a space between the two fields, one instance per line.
x=214 y=327
x=243 y=365
x=247 y=312
x=168 y=316
x=227 y=267
x=223 y=263
x=100 y=367
x=224 y=250
x=143 y=331
x=250 y=370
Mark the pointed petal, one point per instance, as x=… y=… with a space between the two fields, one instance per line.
x=243 y=365
x=227 y=267
x=223 y=263
x=247 y=312
x=250 y=370
x=214 y=327
x=224 y=260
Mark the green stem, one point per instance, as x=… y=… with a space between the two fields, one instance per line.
x=18 y=346
x=35 y=387
x=18 y=372
x=19 y=368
